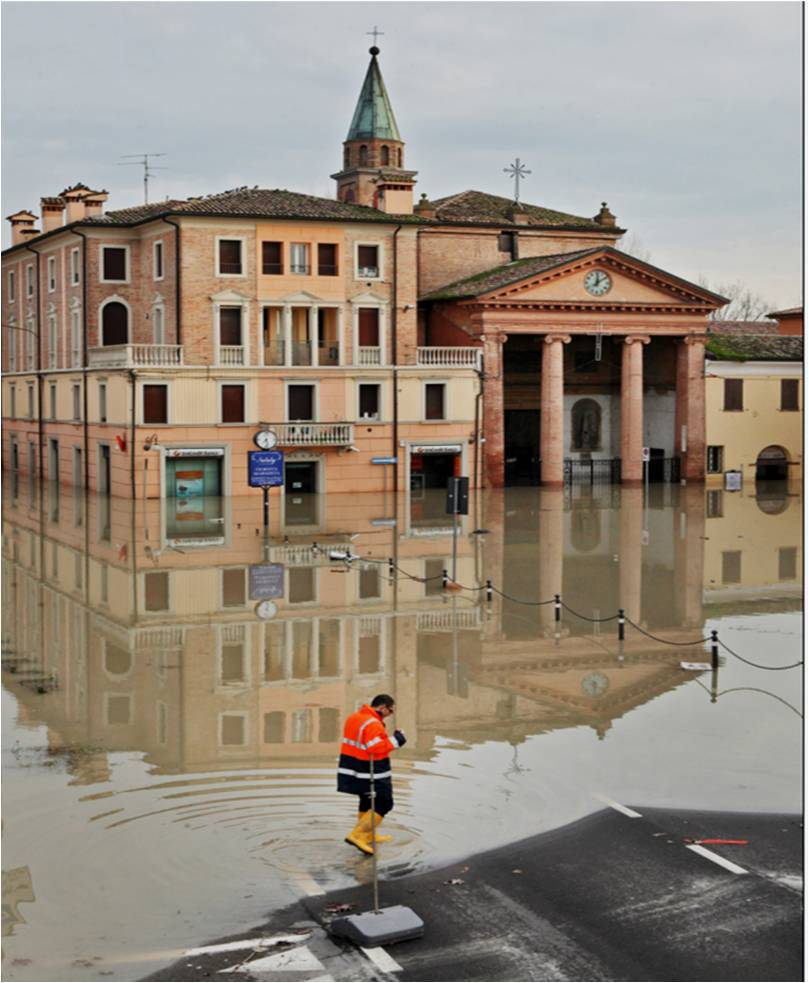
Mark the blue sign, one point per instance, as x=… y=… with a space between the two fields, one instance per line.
x=384 y=460
x=266 y=580
x=265 y=469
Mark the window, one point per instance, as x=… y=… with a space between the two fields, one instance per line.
x=232 y=668
x=159 y=330
x=789 y=394
x=51 y=274
x=12 y=286
x=272 y=258
x=507 y=243
x=713 y=504
x=114 y=324
x=384 y=156
x=157 y=261
x=75 y=338
x=51 y=341
x=370 y=582
x=274 y=726
x=434 y=399
x=367 y=261
x=327 y=259
x=12 y=346
x=301 y=726
x=715 y=459
x=301 y=585
x=369 y=401
x=234 y=591
x=300 y=402
x=29 y=281
x=156 y=590
x=12 y=401
x=788 y=563
x=232 y=730
x=368 y=321
x=52 y=388
x=74 y=267
x=230 y=325
x=102 y=402
x=363 y=155
x=76 y=390
x=114 y=264
x=155 y=404
x=230 y=257
x=732 y=567
x=328 y=724
x=433 y=576
x=734 y=394
x=30 y=395
x=299 y=257
x=233 y=404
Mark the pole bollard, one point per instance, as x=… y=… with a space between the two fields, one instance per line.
x=391 y=566
x=621 y=624
x=557 y=608
x=489 y=591
x=714 y=649
x=444 y=578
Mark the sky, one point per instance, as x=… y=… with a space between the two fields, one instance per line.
x=685 y=117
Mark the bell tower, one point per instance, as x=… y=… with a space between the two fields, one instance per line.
x=373 y=152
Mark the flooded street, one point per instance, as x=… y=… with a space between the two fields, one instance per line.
x=174 y=688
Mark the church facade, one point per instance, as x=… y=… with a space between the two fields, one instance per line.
x=387 y=345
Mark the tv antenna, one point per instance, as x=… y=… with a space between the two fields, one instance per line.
x=142 y=160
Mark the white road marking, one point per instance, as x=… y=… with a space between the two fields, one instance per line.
x=710 y=855
x=382 y=960
x=616 y=805
x=300 y=960
x=264 y=942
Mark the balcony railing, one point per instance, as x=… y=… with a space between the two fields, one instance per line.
x=313 y=434
x=447 y=357
x=127 y=356
x=231 y=355
x=369 y=355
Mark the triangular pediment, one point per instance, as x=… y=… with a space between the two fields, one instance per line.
x=302 y=297
x=230 y=297
x=368 y=297
x=600 y=277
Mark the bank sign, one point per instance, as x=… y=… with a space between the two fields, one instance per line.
x=265 y=469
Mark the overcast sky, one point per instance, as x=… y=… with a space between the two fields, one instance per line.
x=685 y=117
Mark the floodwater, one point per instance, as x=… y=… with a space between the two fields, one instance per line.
x=174 y=685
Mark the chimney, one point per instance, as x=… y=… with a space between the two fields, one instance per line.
x=425 y=208
x=74 y=199
x=20 y=221
x=53 y=210
x=26 y=235
x=605 y=216
x=94 y=203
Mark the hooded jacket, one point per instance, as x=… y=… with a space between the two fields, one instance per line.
x=364 y=737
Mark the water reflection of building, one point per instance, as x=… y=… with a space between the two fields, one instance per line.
x=117 y=641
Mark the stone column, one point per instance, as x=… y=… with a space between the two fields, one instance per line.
x=552 y=413
x=493 y=427
x=632 y=408
x=631 y=557
x=689 y=557
x=286 y=333
x=690 y=412
x=313 y=350
x=551 y=551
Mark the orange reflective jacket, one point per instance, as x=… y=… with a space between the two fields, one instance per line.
x=364 y=737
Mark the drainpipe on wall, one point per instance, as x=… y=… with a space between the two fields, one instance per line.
x=177 y=275
x=84 y=355
x=394 y=344
x=133 y=375
x=40 y=431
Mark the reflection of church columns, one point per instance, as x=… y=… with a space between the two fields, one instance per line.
x=492 y=563
x=632 y=408
x=689 y=555
x=551 y=550
x=552 y=415
x=493 y=416
x=690 y=410
x=631 y=558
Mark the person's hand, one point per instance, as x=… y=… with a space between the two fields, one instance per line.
x=401 y=740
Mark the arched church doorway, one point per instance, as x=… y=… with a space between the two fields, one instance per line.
x=771 y=464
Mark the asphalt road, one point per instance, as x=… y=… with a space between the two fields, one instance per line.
x=611 y=897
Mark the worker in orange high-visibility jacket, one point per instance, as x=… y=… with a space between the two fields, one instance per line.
x=365 y=737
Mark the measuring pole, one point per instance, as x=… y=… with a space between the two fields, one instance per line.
x=373 y=838
x=266 y=503
x=454 y=547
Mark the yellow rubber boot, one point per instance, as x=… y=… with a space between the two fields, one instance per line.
x=377 y=823
x=360 y=836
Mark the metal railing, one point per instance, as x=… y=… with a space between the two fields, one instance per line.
x=448 y=357
x=605 y=470
x=444 y=621
x=314 y=434
x=126 y=356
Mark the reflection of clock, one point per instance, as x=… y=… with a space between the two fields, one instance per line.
x=266 y=439
x=597 y=283
x=595 y=684
x=266 y=610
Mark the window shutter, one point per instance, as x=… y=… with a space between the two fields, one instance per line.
x=156 y=585
x=232 y=404
x=271 y=264
x=115 y=327
x=367 y=259
x=114 y=264
x=230 y=256
x=789 y=394
x=230 y=326
x=233 y=588
x=327 y=259
x=734 y=394
x=369 y=327
x=434 y=401
x=155 y=404
x=301 y=402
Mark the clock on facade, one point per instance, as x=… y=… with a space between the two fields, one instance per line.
x=597 y=283
x=595 y=684
x=266 y=439
x=266 y=610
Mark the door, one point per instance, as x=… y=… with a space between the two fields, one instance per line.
x=104 y=469
x=300 y=489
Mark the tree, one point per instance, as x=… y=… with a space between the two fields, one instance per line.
x=633 y=245
x=744 y=304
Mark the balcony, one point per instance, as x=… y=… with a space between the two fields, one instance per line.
x=369 y=355
x=313 y=434
x=231 y=354
x=447 y=357
x=134 y=356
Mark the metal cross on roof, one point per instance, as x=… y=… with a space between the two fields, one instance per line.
x=376 y=34
x=516 y=170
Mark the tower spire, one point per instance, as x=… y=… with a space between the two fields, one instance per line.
x=373 y=152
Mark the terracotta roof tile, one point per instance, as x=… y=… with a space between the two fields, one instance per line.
x=754 y=348
x=477 y=207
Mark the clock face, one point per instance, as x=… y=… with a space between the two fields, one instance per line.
x=266 y=439
x=266 y=610
x=597 y=283
x=595 y=684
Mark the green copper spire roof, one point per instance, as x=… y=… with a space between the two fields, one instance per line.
x=373 y=117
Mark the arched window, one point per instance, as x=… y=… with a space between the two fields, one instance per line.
x=346 y=156
x=363 y=155
x=348 y=196
x=586 y=425
x=385 y=156
x=771 y=464
x=399 y=157
x=114 y=324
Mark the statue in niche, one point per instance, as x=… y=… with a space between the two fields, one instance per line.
x=586 y=425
